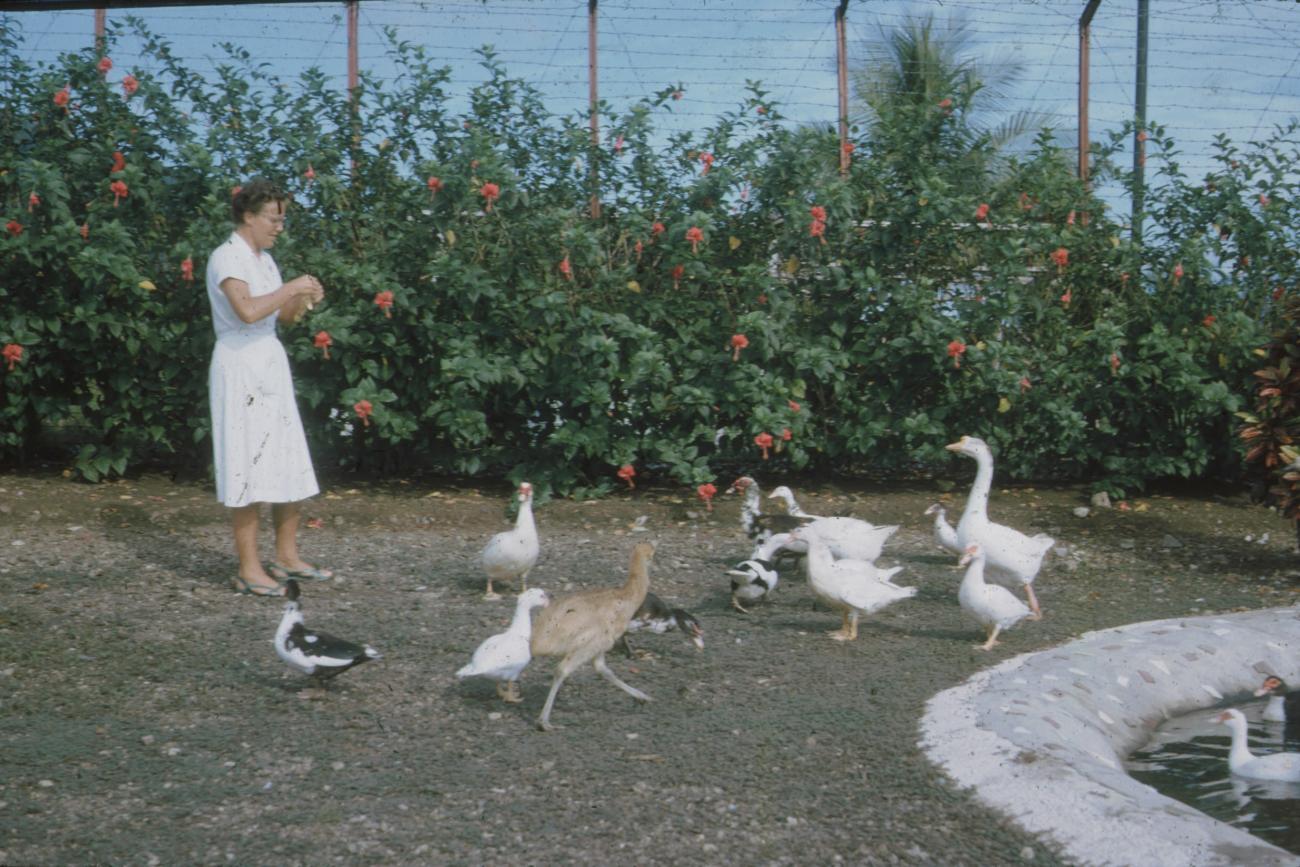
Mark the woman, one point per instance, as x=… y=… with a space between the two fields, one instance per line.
x=259 y=447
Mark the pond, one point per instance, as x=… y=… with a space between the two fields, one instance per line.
x=1187 y=759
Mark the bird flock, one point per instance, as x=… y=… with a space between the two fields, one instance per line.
x=837 y=553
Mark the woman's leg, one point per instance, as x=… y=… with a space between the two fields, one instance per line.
x=286 y=517
x=251 y=571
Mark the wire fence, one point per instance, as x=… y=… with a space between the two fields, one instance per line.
x=1215 y=66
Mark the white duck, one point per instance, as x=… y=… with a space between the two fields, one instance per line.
x=995 y=607
x=1243 y=763
x=502 y=657
x=792 y=507
x=848 y=538
x=1011 y=555
x=856 y=587
x=753 y=579
x=945 y=535
x=318 y=654
x=510 y=555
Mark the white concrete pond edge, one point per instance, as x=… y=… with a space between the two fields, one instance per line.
x=1042 y=737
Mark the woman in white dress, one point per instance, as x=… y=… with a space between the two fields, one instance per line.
x=259 y=448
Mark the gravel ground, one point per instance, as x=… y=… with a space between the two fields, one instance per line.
x=146 y=718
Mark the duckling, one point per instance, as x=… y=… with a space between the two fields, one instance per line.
x=502 y=657
x=318 y=654
x=655 y=616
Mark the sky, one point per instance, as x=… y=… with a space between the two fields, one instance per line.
x=1228 y=67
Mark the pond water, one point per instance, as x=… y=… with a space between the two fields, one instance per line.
x=1187 y=759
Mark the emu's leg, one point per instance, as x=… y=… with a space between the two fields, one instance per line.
x=562 y=671
x=599 y=664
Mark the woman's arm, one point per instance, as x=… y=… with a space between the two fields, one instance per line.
x=290 y=299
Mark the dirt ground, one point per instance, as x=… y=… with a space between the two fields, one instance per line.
x=147 y=720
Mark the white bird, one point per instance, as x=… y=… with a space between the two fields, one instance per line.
x=757 y=525
x=754 y=579
x=318 y=654
x=995 y=607
x=848 y=538
x=1011 y=555
x=1243 y=763
x=945 y=535
x=503 y=656
x=792 y=507
x=856 y=587
x=511 y=554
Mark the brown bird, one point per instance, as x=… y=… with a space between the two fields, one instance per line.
x=582 y=627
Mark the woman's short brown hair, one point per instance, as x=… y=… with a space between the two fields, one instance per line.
x=250 y=198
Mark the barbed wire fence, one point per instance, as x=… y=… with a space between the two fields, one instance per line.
x=1214 y=67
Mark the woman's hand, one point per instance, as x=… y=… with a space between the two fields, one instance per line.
x=305 y=293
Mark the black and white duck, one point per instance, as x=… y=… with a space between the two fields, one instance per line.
x=656 y=616
x=1283 y=706
x=310 y=652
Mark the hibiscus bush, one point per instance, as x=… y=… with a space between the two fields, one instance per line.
x=737 y=303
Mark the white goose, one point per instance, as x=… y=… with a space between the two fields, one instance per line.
x=994 y=607
x=945 y=535
x=511 y=554
x=754 y=579
x=502 y=657
x=1243 y=763
x=848 y=538
x=792 y=507
x=1012 y=556
x=854 y=586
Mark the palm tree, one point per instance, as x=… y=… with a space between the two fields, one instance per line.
x=917 y=65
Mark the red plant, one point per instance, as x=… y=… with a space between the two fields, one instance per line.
x=1208 y=320
x=323 y=342
x=946 y=105
x=363 y=410
x=310 y=174
x=1026 y=203
x=982 y=212
x=626 y=472
x=794 y=406
x=1061 y=257
x=490 y=192
x=32 y=201
x=13 y=353
x=956 y=349
x=818 y=230
x=678 y=271
x=764 y=442
x=84 y=229
x=738 y=342
x=104 y=65
x=565 y=268
x=786 y=434
x=707 y=159
x=695 y=235
x=638 y=247
x=1024 y=383
x=1114 y=363
x=61 y=98
x=435 y=184
x=384 y=300
x=818 y=213
x=1066 y=297
x=119 y=162
x=656 y=229
x=187 y=269
x=14 y=228
x=707 y=492
x=1178 y=273
x=1142 y=136
x=119 y=190
x=1263 y=199
x=848 y=148
x=130 y=85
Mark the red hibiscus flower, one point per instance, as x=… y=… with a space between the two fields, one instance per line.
x=656 y=229
x=678 y=271
x=707 y=492
x=323 y=342
x=818 y=230
x=764 y=442
x=363 y=410
x=794 y=406
x=946 y=104
x=435 y=184
x=1208 y=320
x=14 y=228
x=695 y=235
x=1178 y=272
x=818 y=213
x=848 y=148
x=84 y=229
x=638 y=247
x=565 y=268
x=384 y=300
x=1114 y=363
x=310 y=174
x=738 y=342
x=104 y=65
x=626 y=472
x=32 y=201
x=187 y=269
x=490 y=193
x=130 y=85
x=119 y=162
x=982 y=212
x=62 y=97
x=1066 y=298
x=13 y=353
x=955 y=351
x=1024 y=383
x=119 y=190
x=706 y=159
x=786 y=434
x=1026 y=203
x=1061 y=257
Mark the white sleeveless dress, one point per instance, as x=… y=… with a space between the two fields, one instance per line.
x=259 y=448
